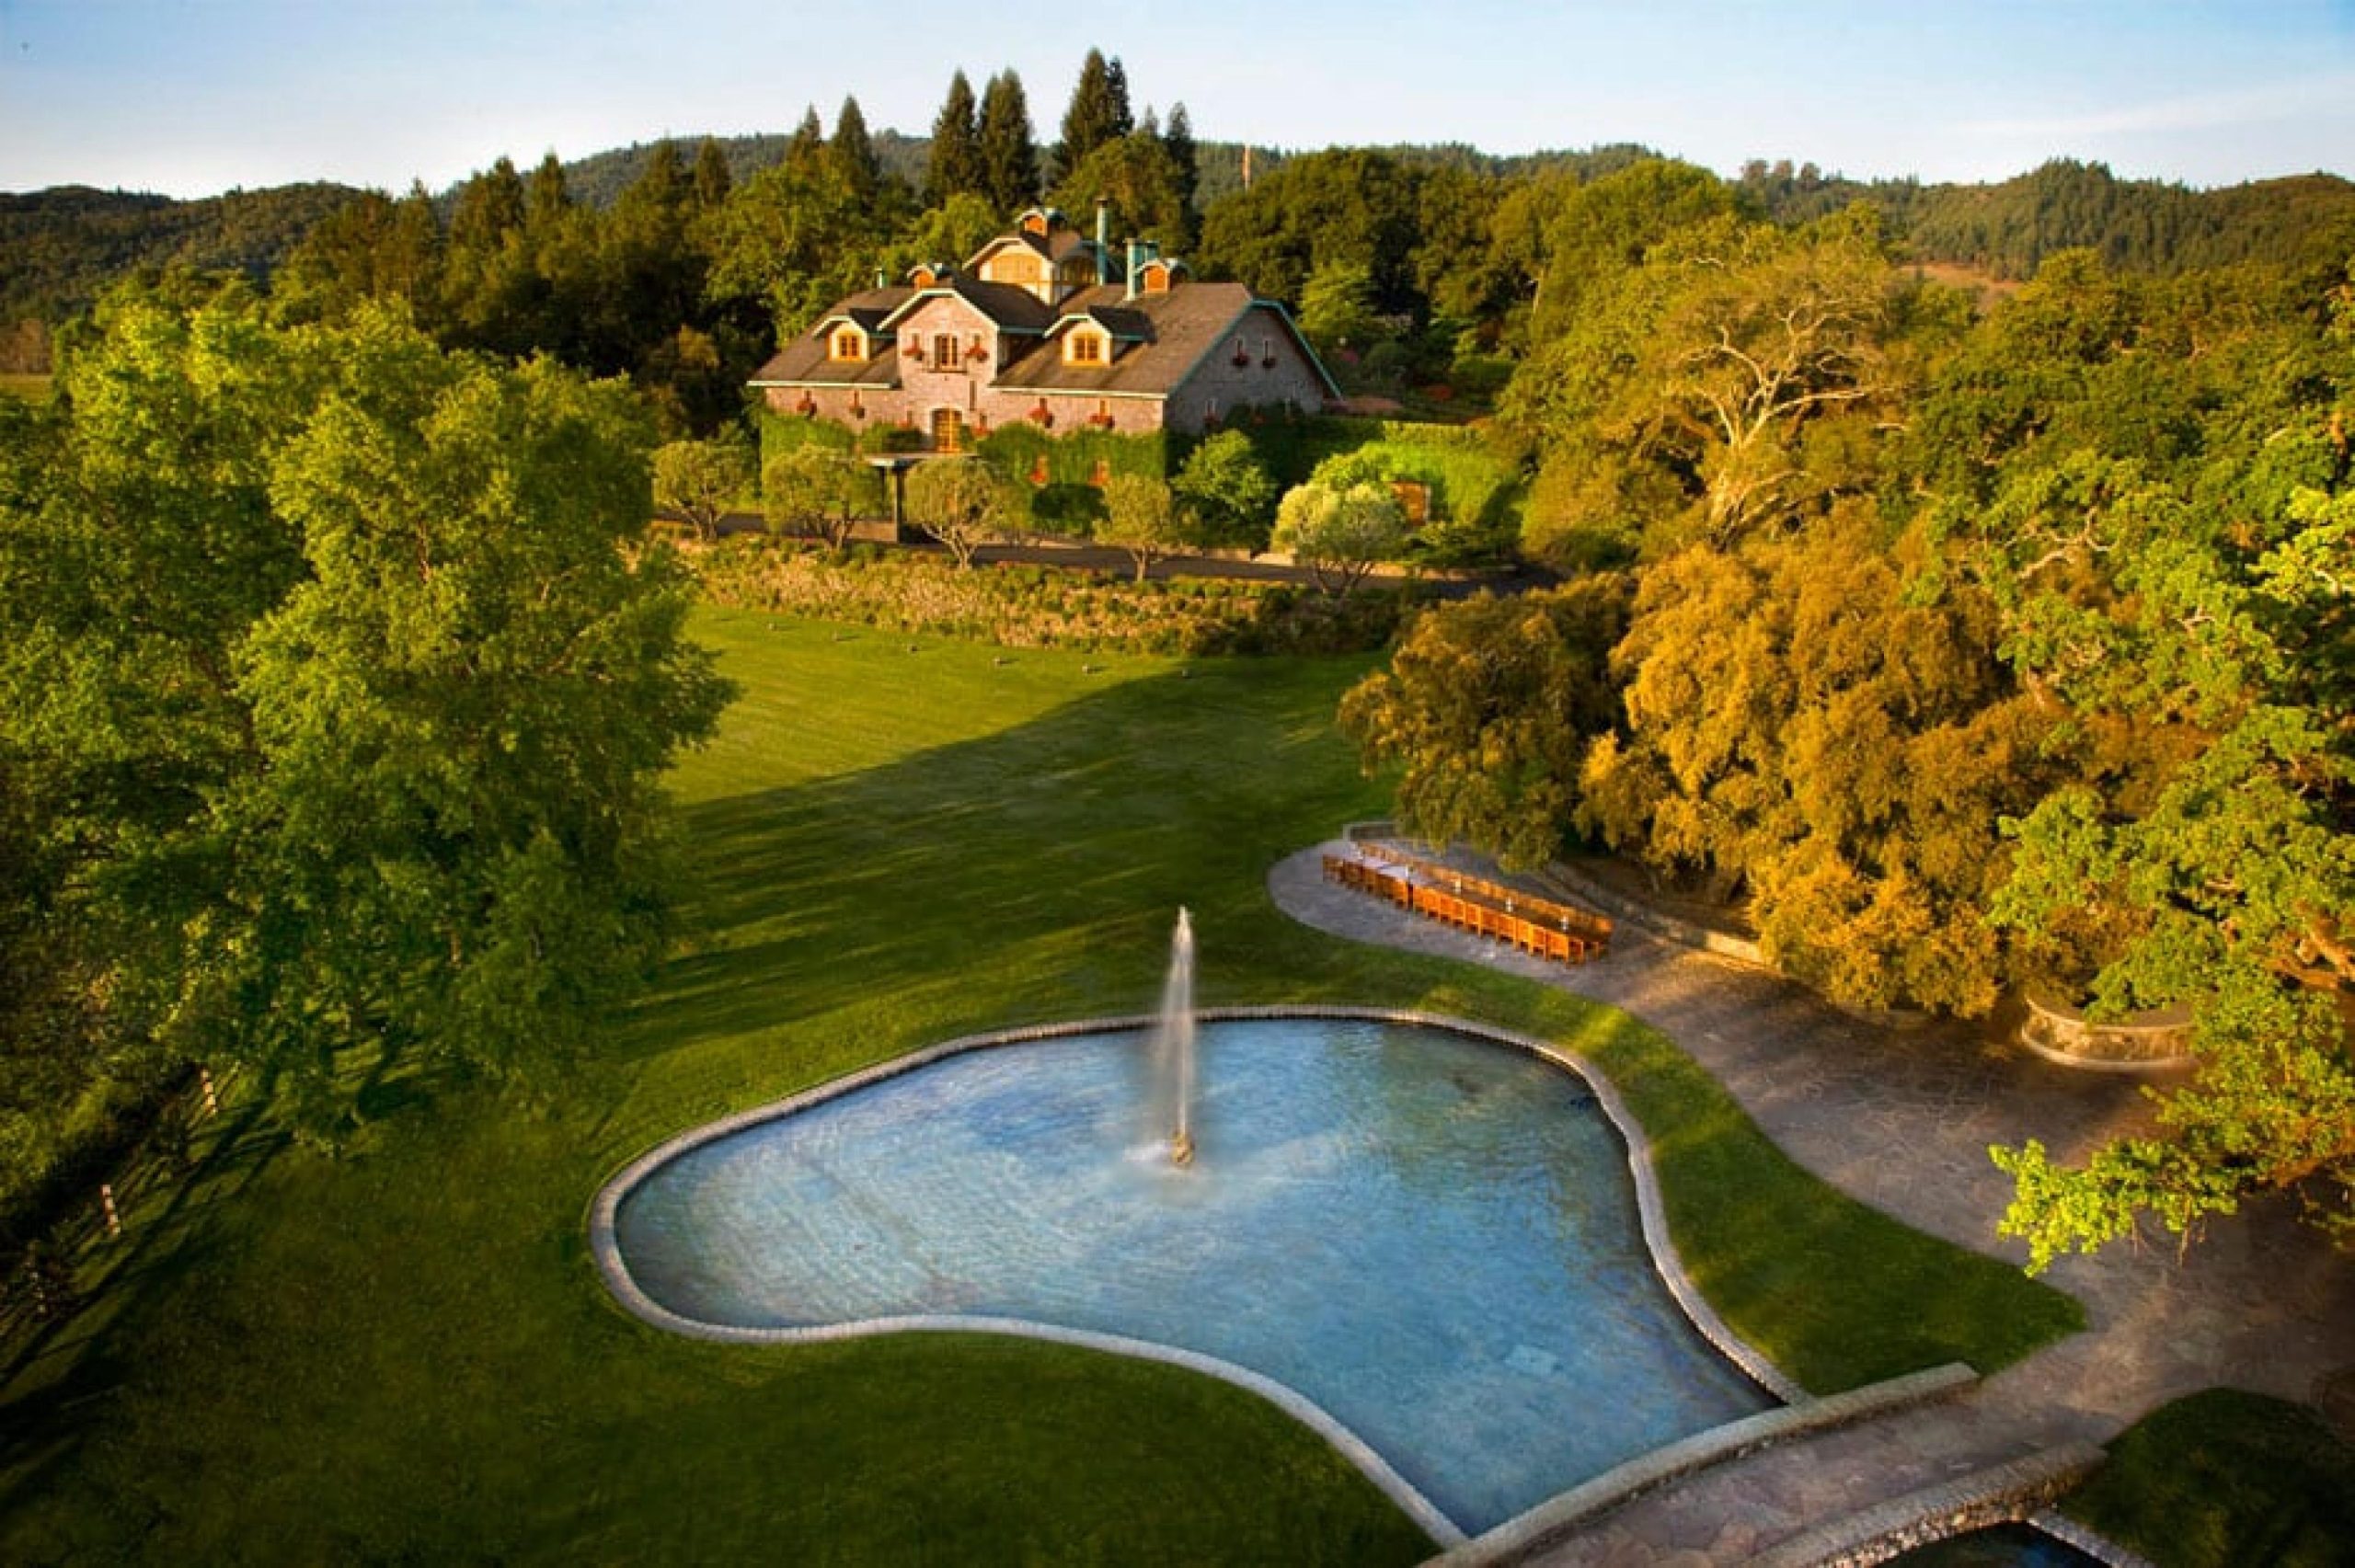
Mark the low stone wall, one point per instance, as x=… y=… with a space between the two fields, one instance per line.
x=2005 y=1494
x=1525 y=1535
x=2092 y=1542
x=1684 y=934
x=2141 y=1042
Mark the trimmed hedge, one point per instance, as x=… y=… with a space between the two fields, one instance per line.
x=1072 y=459
x=1018 y=605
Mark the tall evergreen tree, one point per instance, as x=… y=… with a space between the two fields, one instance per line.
x=1116 y=78
x=712 y=179
x=806 y=150
x=1009 y=154
x=546 y=197
x=854 y=151
x=1179 y=139
x=490 y=206
x=956 y=163
x=1099 y=112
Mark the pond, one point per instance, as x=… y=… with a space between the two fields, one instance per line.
x=1430 y=1237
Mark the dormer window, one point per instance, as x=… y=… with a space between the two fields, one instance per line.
x=847 y=343
x=1083 y=348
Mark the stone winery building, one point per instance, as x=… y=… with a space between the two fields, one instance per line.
x=1049 y=326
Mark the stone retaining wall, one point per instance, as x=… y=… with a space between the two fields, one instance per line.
x=2005 y=1494
x=1684 y=934
x=2141 y=1042
x=1527 y=1533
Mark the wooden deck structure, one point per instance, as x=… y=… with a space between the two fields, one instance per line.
x=1535 y=924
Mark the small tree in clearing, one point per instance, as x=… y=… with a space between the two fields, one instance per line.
x=1227 y=494
x=813 y=490
x=1141 y=517
x=1340 y=534
x=965 y=504
x=700 y=480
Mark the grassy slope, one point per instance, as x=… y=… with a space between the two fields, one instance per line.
x=2225 y=1480
x=406 y=1353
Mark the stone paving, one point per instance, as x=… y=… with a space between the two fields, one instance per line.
x=1901 y=1119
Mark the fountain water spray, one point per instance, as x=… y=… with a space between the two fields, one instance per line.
x=1173 y=1046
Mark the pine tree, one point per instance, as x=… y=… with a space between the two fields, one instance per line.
x=1099 y=113
x=1116 y=78
x=661 y=185
x=488 y=206
x=1009 y=156
x=545 y=198
x=713 y=179
x=956 y=163
x=854 y=152
x=807 y=151
x=1179 y=139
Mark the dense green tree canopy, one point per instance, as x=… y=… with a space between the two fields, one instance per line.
x=1351 y=208
x=1488 y=708
x=330 y=668
x=1136 y=175
x=1970 y=649
x=1229 y=494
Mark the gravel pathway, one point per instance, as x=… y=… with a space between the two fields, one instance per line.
x=1901 y=1119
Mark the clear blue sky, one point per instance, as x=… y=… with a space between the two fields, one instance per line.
x=193 y=97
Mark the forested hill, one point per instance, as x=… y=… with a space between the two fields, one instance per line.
x=599 y=180
x=58 y=248
x=2141 y=226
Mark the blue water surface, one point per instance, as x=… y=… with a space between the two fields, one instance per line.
x=1432 y=1238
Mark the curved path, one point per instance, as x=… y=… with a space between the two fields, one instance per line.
x=1901 y=1119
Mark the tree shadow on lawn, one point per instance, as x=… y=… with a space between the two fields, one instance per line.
x=1032 y=874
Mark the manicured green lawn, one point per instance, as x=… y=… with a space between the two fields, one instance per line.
x=2226 y=1479
x=406 y=1352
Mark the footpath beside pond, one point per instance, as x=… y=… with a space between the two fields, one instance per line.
x=1901 y=1120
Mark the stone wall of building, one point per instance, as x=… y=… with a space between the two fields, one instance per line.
x=1258 y=364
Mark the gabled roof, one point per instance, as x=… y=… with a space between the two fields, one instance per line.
x=1053 y=246
x=1127 y=325
x=1182 y=327
x=805 y=359
x=869 y=319
x=1007 y=306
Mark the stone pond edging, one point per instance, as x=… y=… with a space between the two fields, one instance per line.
x=604 y=1211
x=1539 y=1527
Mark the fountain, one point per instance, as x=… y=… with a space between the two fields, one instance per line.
x=1420 y=1239
x=1173 y=1048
